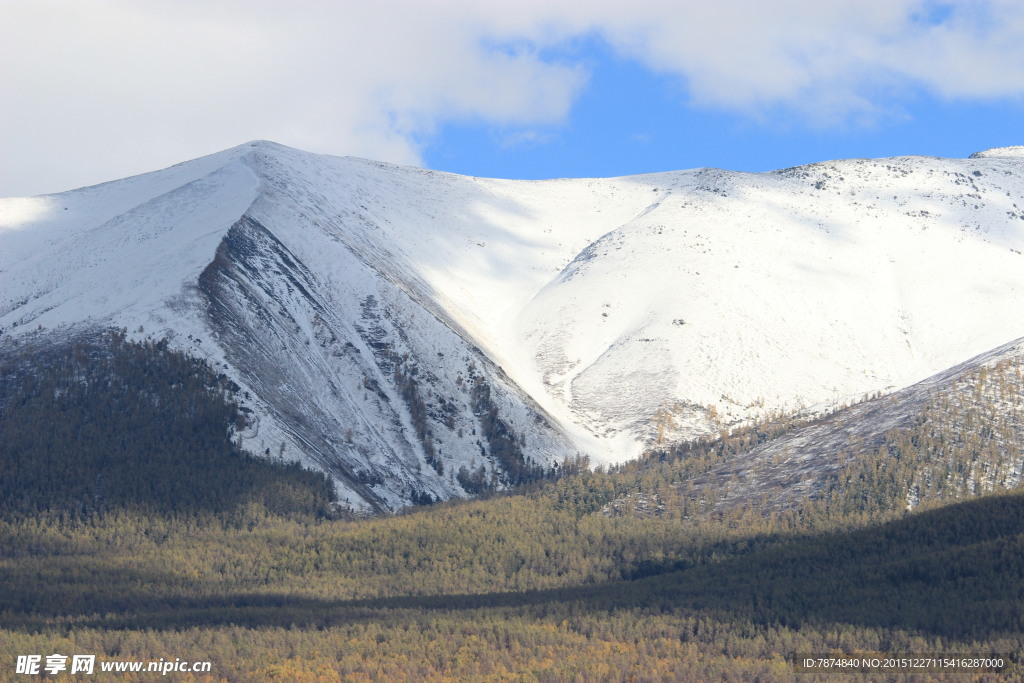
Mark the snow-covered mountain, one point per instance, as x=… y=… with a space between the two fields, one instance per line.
x=396 y=326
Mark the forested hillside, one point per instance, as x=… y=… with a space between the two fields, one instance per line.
x=522 y=585
x=96 y=424
x=956 y=435
x=597 y=575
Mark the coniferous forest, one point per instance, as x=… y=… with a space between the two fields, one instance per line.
x=132 y=525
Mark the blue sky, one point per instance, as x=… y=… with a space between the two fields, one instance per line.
x=630 y=119
x=534 y=89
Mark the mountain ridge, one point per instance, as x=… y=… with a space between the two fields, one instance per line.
x=360 y=304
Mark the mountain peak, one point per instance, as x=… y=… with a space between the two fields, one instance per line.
x=267 y=146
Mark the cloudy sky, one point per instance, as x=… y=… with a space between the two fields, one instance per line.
x=93 y=90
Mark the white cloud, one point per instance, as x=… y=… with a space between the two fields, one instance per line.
x=97 y=90
x=114 y=87
x=826 y=59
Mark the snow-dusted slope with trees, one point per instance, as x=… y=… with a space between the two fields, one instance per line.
x=417 y=333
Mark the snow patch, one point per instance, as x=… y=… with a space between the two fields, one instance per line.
x=997 y=152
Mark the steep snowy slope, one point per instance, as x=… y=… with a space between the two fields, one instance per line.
x=312 y=282
x=734 y=293
x=395 y=326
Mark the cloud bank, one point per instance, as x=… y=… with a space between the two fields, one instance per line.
x=99 y=90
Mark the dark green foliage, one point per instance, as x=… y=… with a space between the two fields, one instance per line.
x=406 y=382
x=473 y=482
x=100 y=424
x=503 y=443
x=965 y=441
x=417 y=497
x=956 y=571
